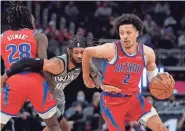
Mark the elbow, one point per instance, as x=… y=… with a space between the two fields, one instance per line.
x=49 y=66
x=53 y=67
x=87 y=52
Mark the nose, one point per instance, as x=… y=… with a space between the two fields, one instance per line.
x=125 y=36
x=79 y=55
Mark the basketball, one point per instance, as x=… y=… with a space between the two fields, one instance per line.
x=162 y=86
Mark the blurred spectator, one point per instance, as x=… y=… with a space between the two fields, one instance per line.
x=90 y=39
x=168 y=39
x=146 y=39
x=169 y=21
x=75 y=115
x=162 y=8
x=181 y=123
x=65 y=34
x=53 y=30
x=92 y=112
x=158 y=8
x=135 y=126
x=78 y=112
x=82 y=31
x=172 y=101
x=181 y=41
x=71 y=11
x=53 y=45
x=72 y=28
x=103 y=12
x=182 y=21
x=80 y=100
x=170 y=61
x=28 y=120
x=149 y=24
x=62 y=23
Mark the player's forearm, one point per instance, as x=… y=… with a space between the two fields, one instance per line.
x=95 y=74
x=23 y=64
x=86 y=63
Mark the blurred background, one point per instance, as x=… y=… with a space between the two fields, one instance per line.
x=164 y=31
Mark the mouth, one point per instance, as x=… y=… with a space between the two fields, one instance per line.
x=126 y=42
x=79 y=61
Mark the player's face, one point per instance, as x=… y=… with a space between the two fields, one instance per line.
x=128 y=35
x=77 y=54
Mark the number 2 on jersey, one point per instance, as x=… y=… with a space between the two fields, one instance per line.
x=23 y=50
x=127 y=78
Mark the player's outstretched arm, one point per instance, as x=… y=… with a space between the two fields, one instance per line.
x=106 y=51
x=53 y=66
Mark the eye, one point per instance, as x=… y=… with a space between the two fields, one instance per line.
x=75 y=52
x=128 y=32
x=122 y=33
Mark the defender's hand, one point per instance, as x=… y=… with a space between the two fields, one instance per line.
x=88 y=82
x=111 y=89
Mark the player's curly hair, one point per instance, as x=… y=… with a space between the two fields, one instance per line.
x=129 y=19
x=18 y=16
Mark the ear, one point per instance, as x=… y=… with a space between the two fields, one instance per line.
x=137 y=33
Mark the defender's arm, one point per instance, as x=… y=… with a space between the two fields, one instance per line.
x=53 y=66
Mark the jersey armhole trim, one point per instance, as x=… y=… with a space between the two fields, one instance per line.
x=143 y=55
x=34 y=32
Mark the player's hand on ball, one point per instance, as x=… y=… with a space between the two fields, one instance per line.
x=88 y=82
x=170 y=76
x=111 y=89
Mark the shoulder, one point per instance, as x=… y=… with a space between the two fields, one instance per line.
x=108 y=46
x=63 y=57
x=148 y=50
x=41 y=38
x=57 y=60
x=149 y=53
x=38 y=35
x=5 y=33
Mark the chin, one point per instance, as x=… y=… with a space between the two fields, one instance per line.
x=128 y=46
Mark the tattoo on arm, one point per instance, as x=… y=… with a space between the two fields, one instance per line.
x=95 y=75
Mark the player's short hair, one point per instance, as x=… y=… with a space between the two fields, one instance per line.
x=18 y=17
x=129 y=19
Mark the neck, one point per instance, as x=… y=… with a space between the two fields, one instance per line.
x=70 y=65
x=131 y=50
